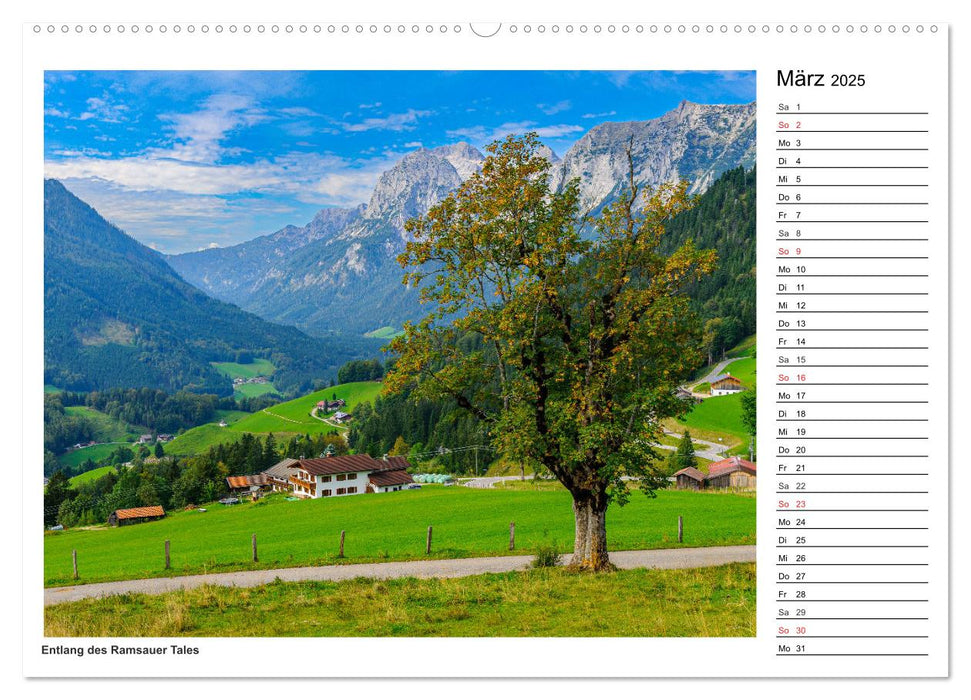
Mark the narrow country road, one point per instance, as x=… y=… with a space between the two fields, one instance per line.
x=684 y=558
x=488 y=482
x=712 y=450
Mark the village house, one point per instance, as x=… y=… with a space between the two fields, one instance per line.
x=725 y=384
x=145 y=439
x=279 y=474
x=733 y=473
x=347 y=475
x=327 y=406
x=253 y=485
x=130 y=516
x=689 y=478
x=341 y=417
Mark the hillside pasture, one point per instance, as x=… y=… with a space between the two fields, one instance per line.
x=257 y=368
x=386 y=527
x=75 y=458
x=106 y=428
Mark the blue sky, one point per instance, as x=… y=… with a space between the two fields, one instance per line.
x=188 y=160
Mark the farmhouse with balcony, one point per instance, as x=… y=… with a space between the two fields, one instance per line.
x=725 y=384
x=347 y=475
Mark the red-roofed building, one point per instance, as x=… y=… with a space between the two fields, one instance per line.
x=346 y=475
x=130 y=516
x=731 y=473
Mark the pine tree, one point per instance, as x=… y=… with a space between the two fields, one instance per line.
x=685 y=455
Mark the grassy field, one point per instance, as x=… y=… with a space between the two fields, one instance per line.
x=710 y=602
x=106 y=428
x=744 y=370
x=254 y=390
x=387 y=526
x=256 y=368
x=719 y=416
x=384 y=333
x=51 y=389
x=74 y=458
x=90 y=475
x=284 y=420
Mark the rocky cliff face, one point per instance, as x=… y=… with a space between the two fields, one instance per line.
x=340 y=273
x=693 y=142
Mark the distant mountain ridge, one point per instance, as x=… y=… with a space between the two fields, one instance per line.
x=349 y=279
x=117 y=315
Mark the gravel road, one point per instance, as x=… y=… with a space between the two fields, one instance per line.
x=685 y=558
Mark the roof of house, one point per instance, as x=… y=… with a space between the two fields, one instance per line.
x=144 y=512
x=344 y=464
x=691 y=472
x=397 y=462
x=732 y=464
x=390 y=477
x=283 y=469
x=242 y=482
x=723 y=376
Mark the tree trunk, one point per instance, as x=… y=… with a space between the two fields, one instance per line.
x=590 y=542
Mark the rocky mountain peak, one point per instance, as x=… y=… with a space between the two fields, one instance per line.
x=415 y=184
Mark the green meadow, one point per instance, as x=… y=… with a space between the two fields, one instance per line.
x=717 y=601
x=75 y=458
x=90 y=475
x=283 y=420
x=385 y=527
x=256 y=368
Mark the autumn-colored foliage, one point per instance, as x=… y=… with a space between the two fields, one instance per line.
x=587 y=331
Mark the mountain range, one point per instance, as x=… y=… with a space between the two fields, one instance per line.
x=339 y=272
x=117 y=315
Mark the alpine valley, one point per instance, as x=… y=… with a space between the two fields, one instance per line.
x=118 y=314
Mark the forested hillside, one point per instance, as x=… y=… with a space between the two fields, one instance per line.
x=116 y=315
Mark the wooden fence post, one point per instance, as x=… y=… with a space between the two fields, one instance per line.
x=512 y=536
x=340 y=555
x=74 y=560
x=680 y=529
x=168 y=562
x=255 y=558
x=428 y=541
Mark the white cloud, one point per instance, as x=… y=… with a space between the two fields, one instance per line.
x=100 y=109
x=598 y=115
x=413 y=144
x=197 y=136
x=403 y=121
x=369 y=106
x=556 y=108
x=483 y=134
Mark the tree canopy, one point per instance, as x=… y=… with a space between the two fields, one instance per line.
x=585 y=325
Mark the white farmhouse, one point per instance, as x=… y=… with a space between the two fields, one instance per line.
x=347 y=475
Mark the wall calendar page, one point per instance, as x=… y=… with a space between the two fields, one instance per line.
x=467 y=349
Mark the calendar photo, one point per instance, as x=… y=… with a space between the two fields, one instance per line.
x=398 y=353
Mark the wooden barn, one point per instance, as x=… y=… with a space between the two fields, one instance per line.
x=252 y=484
x=732 y=473
x=130 y=516
x=689 y=478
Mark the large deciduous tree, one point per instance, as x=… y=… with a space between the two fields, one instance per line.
x=586 y=337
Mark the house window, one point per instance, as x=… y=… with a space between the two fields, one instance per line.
x=341 y=477
x=326 y=492
x=341 y=492
x=352 y=489
x=325 y=479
